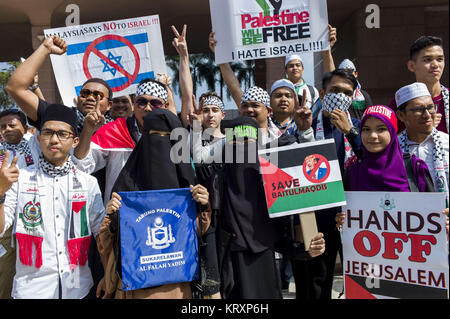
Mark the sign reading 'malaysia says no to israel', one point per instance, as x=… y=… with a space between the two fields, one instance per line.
x=121 y=52
x=158 y=236
x=300 y=178
x=258 y=29
x=395 y=246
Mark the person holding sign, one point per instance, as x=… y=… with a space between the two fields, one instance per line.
x=55 y=208
x=150 y=168
x=94 y=91
x=383 y=166
x=293 y=117
x=333 y=121
x=247 y=237
x=112 y=144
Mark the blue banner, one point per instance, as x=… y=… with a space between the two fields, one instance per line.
x=158 y=234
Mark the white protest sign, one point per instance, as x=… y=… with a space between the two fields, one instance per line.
x=258 y=29
x=395 y=246
x=121 y=52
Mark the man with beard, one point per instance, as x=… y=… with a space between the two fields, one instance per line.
x=246 y=236
x=149 y=167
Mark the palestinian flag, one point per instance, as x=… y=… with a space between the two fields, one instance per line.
x=360 y=287
x=301 y=178
x=113 y=136
x=79 y=235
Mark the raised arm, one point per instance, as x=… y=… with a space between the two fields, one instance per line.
x=20 y=80
x=167 y=81
x=327 y=56
x=92 y=122
x=186 y=85
x=228 y=75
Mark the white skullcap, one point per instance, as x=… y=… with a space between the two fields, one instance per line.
x=282 y=83
x=292 y=57
x=409 y=92
x=347 y=64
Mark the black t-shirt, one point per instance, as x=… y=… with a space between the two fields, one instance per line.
x=42 y=107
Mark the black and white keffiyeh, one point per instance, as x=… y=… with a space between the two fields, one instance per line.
x=333 y=101
x=21 y=148
x=153 y=89
x=214 y=100
x=330 y=102
x=56 y=171
x=256 y=94
x=81 y=117
x=439 y=160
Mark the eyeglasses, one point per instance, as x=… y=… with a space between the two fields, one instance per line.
x=62 y=135
x=85 y=93
x=420 y=110
x=142 y=103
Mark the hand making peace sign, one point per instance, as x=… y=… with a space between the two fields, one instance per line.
x=302 y=114
x=179 y=42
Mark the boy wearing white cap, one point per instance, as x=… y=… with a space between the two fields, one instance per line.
x=416 y=110
x=294 y=68
x=287 y=112
x=361 y=99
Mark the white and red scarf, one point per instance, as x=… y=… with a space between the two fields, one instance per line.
x=30 y=229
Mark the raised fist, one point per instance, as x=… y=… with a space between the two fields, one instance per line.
x=55 y=45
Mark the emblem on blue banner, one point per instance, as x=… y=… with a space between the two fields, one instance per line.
x=158 y=233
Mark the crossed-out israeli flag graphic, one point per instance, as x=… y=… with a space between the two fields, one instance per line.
x=122 y=61
x=158 y=234
x=121 y=52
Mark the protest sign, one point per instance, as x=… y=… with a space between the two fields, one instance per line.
x=121 y=52
x=258 y=29
x=395 y=246
x=158 y=236
x=304 y=177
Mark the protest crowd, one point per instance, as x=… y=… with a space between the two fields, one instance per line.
x=66 y=172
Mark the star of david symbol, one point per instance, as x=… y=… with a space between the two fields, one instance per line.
x=108 y=68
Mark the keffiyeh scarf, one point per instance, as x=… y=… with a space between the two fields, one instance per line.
x=21 y=148
x=330 y=102
x=30 y=229
x=439 y=160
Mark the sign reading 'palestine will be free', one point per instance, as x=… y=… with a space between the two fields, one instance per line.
x=304 y=178
x=255 y=29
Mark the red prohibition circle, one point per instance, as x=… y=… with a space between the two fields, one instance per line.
x=310 y=177
x=91 y=49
